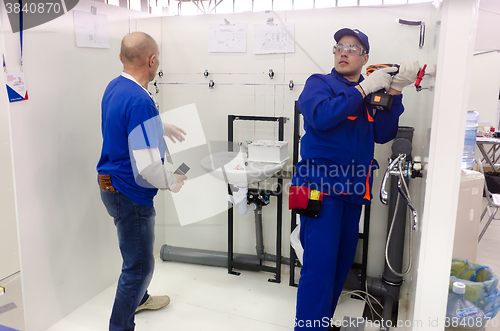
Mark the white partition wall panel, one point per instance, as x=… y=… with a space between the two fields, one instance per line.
x=9 y=249
x=68 y=242
x=458 y=27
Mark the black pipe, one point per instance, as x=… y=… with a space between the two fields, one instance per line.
x=387 y=312
x=259 y=236
x=396 y=242
x=389 y=285
x=402 y=145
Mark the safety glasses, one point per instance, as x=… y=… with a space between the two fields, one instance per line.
x=349 y=48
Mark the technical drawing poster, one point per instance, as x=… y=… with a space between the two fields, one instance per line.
x=228 y=38
x=91 y=30
x=273 y=39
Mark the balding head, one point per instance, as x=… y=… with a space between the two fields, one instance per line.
x=137 y=48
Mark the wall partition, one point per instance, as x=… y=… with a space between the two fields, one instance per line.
x=243 y=86
x=68 y=243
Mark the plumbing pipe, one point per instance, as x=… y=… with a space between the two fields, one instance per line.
x=243 y=207
x=219 y=259
x=397 y=239
x=389 y=285
x=239 y=198
x=212 y=258
x=203 y=257
x=387 y=312
x=259 y=239
x=259 y=236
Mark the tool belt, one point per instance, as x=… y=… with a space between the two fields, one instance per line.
x=105 y=183
x=305 y=201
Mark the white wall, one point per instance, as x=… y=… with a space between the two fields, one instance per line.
x=457 y=32
x=486 y=67
x=69 y=249
x=185 y=57
x=8 y=234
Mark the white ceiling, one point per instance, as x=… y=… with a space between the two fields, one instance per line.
x=491 y=5
x=488 y=26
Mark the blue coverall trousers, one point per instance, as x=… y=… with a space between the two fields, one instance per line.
x=329 y=243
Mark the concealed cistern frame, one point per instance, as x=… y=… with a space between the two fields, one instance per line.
x=277 y=193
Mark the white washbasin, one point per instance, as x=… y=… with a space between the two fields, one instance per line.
x=238 y=169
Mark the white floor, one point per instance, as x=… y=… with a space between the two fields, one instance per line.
x=205 y=298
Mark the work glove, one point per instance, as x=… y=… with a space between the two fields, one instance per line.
x=408 y=71
x=380 y=79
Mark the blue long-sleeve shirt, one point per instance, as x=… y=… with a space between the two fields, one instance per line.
x=341 y=129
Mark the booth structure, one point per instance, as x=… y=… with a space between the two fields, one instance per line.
x=50 y=153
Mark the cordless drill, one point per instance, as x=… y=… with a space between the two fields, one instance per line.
x=380 y=100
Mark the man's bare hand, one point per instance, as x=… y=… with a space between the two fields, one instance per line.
x=180 y=182
x=173 y=131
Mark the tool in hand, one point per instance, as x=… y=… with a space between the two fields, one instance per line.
x=380 y=100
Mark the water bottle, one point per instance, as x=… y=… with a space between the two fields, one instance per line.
x=462 y=314
x=470 y=139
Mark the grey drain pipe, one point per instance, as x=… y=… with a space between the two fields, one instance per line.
x=388 y=286
x=260 y=240
x=219 y=259
x=390 y=281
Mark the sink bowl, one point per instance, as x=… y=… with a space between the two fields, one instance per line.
x=238 y=170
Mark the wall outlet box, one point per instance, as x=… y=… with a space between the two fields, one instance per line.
x=268 y=151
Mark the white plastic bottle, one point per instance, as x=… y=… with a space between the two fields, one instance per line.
x=462 y=314
x=470 y=139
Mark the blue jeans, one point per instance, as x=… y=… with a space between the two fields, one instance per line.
x=329 y=243
x=135 y=227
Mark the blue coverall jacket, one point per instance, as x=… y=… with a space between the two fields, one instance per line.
x=341 y=129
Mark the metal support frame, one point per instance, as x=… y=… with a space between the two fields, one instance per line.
x=231 y=264
x=294 y=262
x=492 y=156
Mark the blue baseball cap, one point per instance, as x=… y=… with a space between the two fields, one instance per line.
x=355 y=33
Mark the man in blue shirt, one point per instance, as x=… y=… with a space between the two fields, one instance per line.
x=131 y=171
x=337 y=160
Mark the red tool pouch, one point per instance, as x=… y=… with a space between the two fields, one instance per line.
x=305 y=201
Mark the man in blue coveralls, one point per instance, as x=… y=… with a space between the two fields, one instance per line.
x=337 y=160
x=131 y=171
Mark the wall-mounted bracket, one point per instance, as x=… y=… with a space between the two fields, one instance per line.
x=422 y=29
